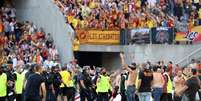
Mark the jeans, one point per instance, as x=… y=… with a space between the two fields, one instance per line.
x=145 y=96
x=157 y=92
x=130 y=93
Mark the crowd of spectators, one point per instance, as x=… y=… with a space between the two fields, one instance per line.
x=119 y=14
x=23 y=43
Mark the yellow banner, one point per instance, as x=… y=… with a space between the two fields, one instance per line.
x=98 y=36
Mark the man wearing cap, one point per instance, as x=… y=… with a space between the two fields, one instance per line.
x=131 y=78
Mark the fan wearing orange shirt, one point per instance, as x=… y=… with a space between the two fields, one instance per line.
x=1 y=26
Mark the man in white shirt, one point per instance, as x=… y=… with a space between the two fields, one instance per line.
x=48 y=63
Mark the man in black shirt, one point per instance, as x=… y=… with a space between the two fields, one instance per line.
x=145 y=79
x=35 y=86
x=31 y=71
x=85 y=85
x=11 y=81
x=56 y=81
x=122 y=86
x=199 y=76
x=48 y=78
x=190 y=88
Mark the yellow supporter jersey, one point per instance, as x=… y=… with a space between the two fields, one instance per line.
x=75 y=22
x=150 y=23
x=199 y=13
x=76 y=45
x=70 y=18
x=92 y=5
x=138 y=4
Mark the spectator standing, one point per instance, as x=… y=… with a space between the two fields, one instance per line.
x=145 y=79
x=179 y=82
x=157 y=83
x=34 y=84
x=57 y=80
x=131 y=88
x=190 y=88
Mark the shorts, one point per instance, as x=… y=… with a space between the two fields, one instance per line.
x=70 y=92
x=64 y=91
x=58 y=92
x=2 y=98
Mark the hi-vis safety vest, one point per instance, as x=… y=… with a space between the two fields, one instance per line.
x=169 y=84
x=103 y=85
x=66 y=78
x=19 y=83
x=3 y=85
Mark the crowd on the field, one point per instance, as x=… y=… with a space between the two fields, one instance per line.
x=136 y=82
x=120 y=14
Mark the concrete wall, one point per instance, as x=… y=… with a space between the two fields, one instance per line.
x=44 y=13
x=111 y=61
x=142 y=53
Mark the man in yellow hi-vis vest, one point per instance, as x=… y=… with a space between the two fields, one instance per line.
x=3 y=85
x=67 y=85
x=167 y=88
x=103 y=86
x=19 y=84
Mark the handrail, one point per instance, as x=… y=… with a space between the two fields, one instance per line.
x=186 y=57
x=60 y=4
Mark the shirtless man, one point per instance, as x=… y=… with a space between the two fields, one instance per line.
x=131 y=78
x=179 y=82
x=157 y=83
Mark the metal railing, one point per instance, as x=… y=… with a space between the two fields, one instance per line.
x=187 y=59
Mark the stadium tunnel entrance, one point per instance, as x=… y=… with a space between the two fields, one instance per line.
x=109 y=60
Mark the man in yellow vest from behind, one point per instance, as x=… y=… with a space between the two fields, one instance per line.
x=67 y=86
x=103 y=86
x=3 y=85
x=19 y=84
